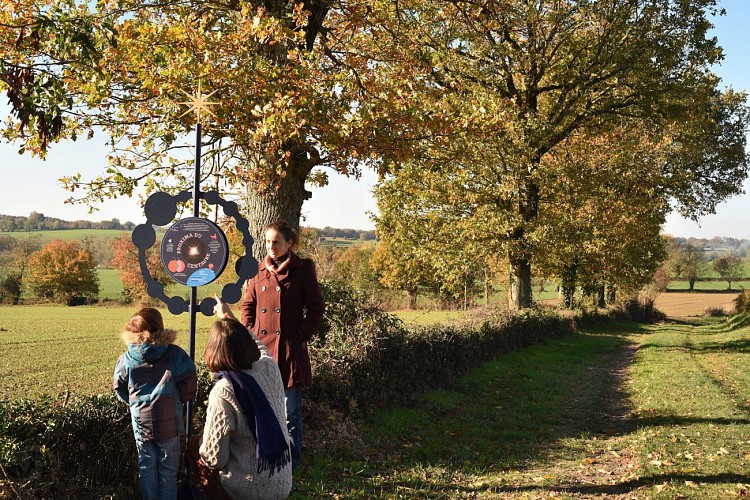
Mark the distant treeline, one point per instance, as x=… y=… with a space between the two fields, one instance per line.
x=349 y=234
x=37 y=221
x=718 y=246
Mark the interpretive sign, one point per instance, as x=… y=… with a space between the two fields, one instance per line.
x=194 y=251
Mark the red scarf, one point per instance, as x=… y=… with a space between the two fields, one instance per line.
x=281 y=271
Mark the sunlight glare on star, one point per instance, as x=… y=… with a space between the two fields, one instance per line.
x=198 y=103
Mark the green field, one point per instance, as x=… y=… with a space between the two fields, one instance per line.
x=47 y=349
x=110 y=286
x=68 y=234
x=712 y=286
x=51 y=349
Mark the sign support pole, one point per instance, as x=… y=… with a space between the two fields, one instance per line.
x=194 y=289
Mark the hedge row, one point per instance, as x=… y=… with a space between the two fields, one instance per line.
x=360 y=371
x=364 y=359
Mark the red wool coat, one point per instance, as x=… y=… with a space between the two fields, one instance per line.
x=284 y=310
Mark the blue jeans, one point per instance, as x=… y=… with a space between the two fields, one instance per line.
x=158 y=462
x=293 y=400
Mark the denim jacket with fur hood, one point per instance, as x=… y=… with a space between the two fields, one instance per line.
x=155 y=377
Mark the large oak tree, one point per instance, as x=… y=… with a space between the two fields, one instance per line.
x=294 y=95
x=530 y=74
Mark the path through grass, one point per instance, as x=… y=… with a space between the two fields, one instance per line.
x=583 y=417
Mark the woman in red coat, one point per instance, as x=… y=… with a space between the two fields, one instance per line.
x=283 y=306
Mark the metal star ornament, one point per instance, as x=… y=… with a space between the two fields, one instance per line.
x=198 y=103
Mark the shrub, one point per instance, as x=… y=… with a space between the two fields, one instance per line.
x=642 y=311
x=77 y=447
x=365 y=359
x=10 y=287
x=68 y=448
x=714 y=312
x=742 y=302
x=63 y=271
x=126 y=260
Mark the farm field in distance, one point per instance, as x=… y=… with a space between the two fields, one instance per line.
x=49 y=349
x=687 y=304
x=68 y=234
x=708 y=286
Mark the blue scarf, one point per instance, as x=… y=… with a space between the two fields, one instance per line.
x=272 y=451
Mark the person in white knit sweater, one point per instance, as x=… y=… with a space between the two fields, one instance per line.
x=243 y=452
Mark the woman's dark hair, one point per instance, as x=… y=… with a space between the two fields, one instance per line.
x=230 y=347
x=147 y=319
x=286 y=230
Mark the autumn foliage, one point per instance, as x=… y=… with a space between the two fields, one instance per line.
x=63 y=271
x=125 y=260
x=489 y=118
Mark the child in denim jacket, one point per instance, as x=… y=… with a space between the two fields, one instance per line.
x=155 y=377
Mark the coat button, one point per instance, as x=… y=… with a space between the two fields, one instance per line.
x=278 y=288
x=278 y=310
x=277 y=331
x=263 y=288
x=263 y=332
x=262 y=309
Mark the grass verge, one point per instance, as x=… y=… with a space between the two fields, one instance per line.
x=564 y=420
x=483 y=435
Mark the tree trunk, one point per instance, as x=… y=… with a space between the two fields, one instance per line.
x=568 y=285
x=412 y=294
x=691 y=282
x=611 y=294
x=284 y=202
x=519 y=291
x=600 y=297
x=486 y=289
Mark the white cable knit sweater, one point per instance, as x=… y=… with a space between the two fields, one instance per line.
x=229 y=445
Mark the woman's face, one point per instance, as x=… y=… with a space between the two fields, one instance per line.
x=276 y=245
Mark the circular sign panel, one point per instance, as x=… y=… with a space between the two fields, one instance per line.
x=194 y=251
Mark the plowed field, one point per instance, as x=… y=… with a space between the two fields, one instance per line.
x=685 y=304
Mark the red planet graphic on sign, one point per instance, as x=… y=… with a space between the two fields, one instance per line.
x=176 y=266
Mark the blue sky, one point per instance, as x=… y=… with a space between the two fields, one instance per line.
x=732 y=217
x=31 y=184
